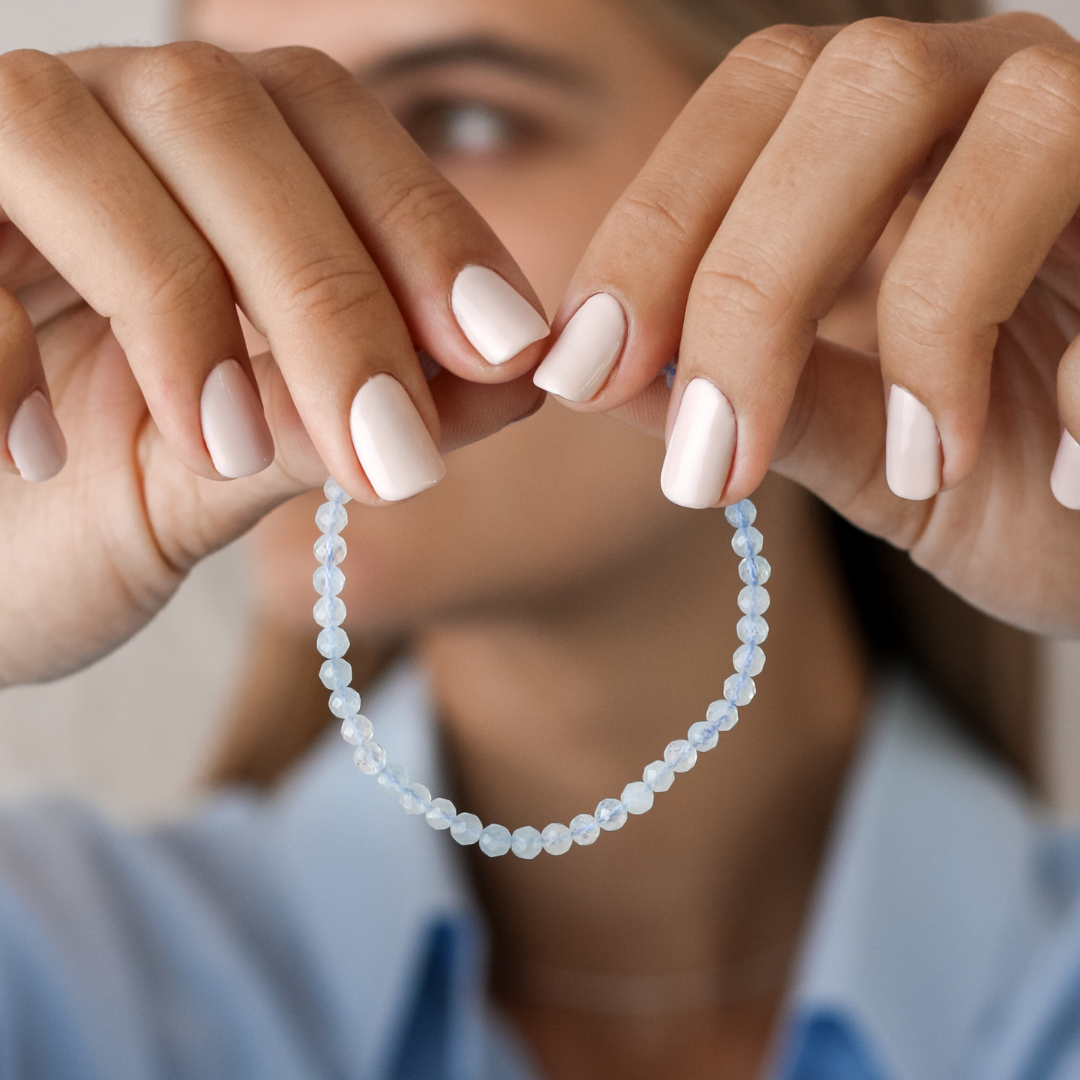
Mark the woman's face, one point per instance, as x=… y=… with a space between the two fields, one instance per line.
x=540 y=111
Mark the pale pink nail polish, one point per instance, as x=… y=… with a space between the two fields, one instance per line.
x=498 y=321
x=35 y=441
x=581 y=360
x=701 y=447
x=233 y=426
x=912 y=447
x=1065 y=478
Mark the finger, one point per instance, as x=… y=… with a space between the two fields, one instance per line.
x=879 y=98
x=430 y=245
x=33 y=444
x=1065 y=476
x=640 y=265
x=91 y=206
x=298 y=269
x=987 y=225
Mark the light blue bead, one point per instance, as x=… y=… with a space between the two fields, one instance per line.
x=739 y=689
x=755 y=570
x=610 y=814
x=369 y=757
x=441 y=814
x=333 y=641
x=415 y=799
x=752 y=626
x=753 y=600
x=658 y=776
x=329 y=611
x=680 y=755
x=637 y=798
x=749 y=659
x=741 y=513
x=495 y=840
x=336 y=544
x=584 y=830
x=356 y=729
x=703 y=736
x=747 y=542
x=331 y=518
x=345 y=702
x=334 y=491
x=394 y=779
x=466 y=828
x=335 y=673
x=722 y=715
x=556 y=839
x=326 y=583
x=526 y=842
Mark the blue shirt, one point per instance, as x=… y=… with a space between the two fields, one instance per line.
x=322 y=933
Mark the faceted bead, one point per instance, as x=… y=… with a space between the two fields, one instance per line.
x=329 y=612
x=526 y=843
x=584 y=830
x=740 y=514
x=466 y=828
x=747 y=541
x=335 y=544
x=556 y=839
x=369 y=758
x=610 y=814
x=658 y=776
x=345 y=702
x=703 y=736
x=330 y=518
x=680 y=755
x=333 y=641
x=335 y=673
x=333 y=490
x=393 y=778
x=739 y=689
x=495 y=840
x=415 y=799
x=752 y=626
x=325 y=583
x=754 y=570
x=637 y=798
x=356 y=729
x=441 y=814
x=753 y=600
x=749 y=659
x=722 y=715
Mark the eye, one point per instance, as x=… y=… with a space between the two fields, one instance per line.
x=467 y=128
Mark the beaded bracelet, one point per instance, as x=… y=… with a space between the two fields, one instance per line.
x=680 y=755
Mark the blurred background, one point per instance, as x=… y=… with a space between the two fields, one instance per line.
x=133 y=733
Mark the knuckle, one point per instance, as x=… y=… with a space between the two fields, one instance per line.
x=1041 y=85
x=913 y=306
x=659 y=206
x=327 y=289
x=413 y=199
x=300 y=71
x=185 y=277
x=784 y=51
x=742 y=287
x=187 y=75
x=32 y=85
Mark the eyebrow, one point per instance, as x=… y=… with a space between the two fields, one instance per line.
x=480 y=50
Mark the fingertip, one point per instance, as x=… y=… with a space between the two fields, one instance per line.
x=234 y=428
x=35 y=440
x=1065 y=476
x=912 y=447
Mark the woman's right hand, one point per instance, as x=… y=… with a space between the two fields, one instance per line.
x=145 y=194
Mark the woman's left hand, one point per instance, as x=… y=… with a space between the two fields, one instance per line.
x=755 y=213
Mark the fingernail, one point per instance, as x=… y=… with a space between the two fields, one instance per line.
x=912 y=447
x=702 y=444
x=581 y=360
x=391 y=440
x=1065 y=478
x=35 y=441
x=233 y=426
x=498 y=321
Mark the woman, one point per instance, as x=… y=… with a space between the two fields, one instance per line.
x=566 y=618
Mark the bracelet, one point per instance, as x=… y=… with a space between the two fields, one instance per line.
x=680 y=755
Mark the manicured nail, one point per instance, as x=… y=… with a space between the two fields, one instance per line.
x=233 y=426
x=581 y=360
x=35 y=441
x=391 y=440
x=498 y=321
x=702 y=444
x=912 y=447
x=1065 y=478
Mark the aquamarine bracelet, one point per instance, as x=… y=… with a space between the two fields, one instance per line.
x=680 y=755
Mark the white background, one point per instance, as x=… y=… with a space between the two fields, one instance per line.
x=132 y=732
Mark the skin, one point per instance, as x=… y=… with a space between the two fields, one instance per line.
x=557 y=598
